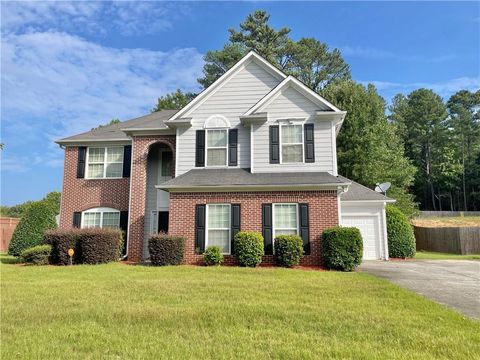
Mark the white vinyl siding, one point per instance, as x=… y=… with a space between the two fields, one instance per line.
x=231 y=100
x=101 y=218
x=217 y=147
x=218 y=227
x=104 y=162
x=285 y=219
x=290 y=104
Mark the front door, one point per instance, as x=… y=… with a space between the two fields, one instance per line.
x=163 y=221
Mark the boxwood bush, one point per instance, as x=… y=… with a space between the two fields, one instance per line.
x=37 y=255
x=401 y=239
x=248 y=248
x=342 y=248
x=29 y=231
x=213 y=256
x=166 y=249
x=288 y=250
x=91 y=246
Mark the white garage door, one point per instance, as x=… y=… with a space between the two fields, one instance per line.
x=368 y=226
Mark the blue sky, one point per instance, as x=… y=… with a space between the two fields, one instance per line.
x=69 y=66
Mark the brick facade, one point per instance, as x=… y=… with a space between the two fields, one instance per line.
x=84 y=194
x=141 y=147
x=323 y=213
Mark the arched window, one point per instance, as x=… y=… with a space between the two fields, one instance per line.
x=217 y=140
x=102 y=217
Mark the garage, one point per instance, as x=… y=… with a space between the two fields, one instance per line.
x=364 y=209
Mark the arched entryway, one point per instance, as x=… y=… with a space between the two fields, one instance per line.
x=159 y=169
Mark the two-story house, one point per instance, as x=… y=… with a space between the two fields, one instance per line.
x=254 y=151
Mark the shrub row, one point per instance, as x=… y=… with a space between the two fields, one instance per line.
x=166 y=249
x=37 y=255
x=91 y=246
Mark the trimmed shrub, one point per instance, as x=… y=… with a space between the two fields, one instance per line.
x=91 y=246
x=213 y=256
x=288 y=250
x=37 y=255
x=342 y=248
x=29 y=231
x=401 y=240
x=248 y=248
x=166 y=249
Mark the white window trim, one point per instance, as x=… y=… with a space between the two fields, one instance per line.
x=104 y=162
x=100 y=210
x=290 y=123
x=216 y=147
x=274 y=227
x=229 y=227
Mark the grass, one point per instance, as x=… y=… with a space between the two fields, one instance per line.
x=137 y=312
x=428 y=255
x=453 y=221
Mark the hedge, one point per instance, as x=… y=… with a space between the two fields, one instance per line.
x=91 y=246
x=288 y=250
x=401 y=239
x=166 y=249
x=342 y=248
x=213 y=256
x=29 y=231
x=248 y=248
x=37 y=255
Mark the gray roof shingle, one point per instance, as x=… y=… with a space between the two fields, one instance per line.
x=358 y=192
x=114 y=132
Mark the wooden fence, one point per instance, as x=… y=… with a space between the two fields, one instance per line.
x=448 y=213
x=454 y=240
x=7 y=227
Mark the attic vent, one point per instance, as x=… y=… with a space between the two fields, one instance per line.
x=217 y=121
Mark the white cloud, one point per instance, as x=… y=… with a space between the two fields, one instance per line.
x=55 y=84
x=94 y=17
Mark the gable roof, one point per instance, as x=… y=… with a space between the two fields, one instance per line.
x=115 y=132
x=205 y=94
x=358 y=192
x=299 y=86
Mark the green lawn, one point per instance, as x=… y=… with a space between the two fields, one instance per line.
x=428 y=255
x=118 y=311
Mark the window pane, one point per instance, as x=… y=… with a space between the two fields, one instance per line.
x=216 y=157
x=285 y=216
x=95 y=170
x=285 y=232
x=217 y=138
x=292 y=153
x=91 y=219
x=219 y=238
x=115 y=170
x=115 y=154
x=111 y=220
x=218 y=216
x=96 y=154
x=291 y=134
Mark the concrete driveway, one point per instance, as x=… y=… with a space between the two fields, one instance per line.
x=455 y=283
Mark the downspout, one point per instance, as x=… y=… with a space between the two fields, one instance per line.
x=340 y=191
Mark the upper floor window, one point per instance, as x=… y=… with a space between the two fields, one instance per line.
x=291 y=143
x=217 y=145
x=101 y=218
x=105 y=162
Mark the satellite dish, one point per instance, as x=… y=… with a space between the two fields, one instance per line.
x=383 y=187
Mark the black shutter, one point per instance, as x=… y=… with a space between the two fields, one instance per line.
x=124 y=228
x=127 y=160
x=77 y=219
x=82 y=156
x=232 y=147
x=267 y=228
x=304 y=227
x=309 y=143
x=235 y=223
x=274 y=145
x=200 y=148
x=200 y=228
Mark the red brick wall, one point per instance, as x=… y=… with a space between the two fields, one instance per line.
x=323 y=213
x=140 y=149
x=83 y=194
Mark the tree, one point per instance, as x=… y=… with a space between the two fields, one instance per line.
x=29 y=231
x=308 y=59
x=174 y=101
x=111 y=122
x=52 y=200
x=421 y=119
x=369 y=149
